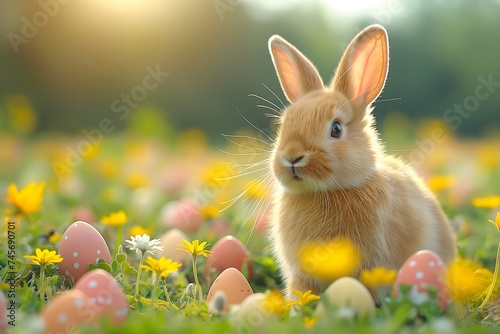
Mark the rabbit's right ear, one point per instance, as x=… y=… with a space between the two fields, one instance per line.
x=297 y=75
x=363 y=69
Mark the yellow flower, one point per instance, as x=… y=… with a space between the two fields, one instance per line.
x=488 y=157
x=44 y=257
x=217 y=174
x=54 y=237
x=138 y=229
x=194 y=248
x=441 y=182
x=489 y=202
x=92 y=152
x=209 y=211
x=329 y=261
x=137 y=180
x=115 y=219
x=256 y=189
x=109 y=168
x=274 y=302
x=378 y=276
x=27 y=200
x=496 y=222
x=309 y=322
x=23 y=117
x=304 y=298
x=161 y=267
x=467 y=281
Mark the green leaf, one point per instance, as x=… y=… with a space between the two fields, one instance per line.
x=120 y=257
x=127 y=269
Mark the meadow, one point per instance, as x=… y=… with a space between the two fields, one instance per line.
x=127 y=184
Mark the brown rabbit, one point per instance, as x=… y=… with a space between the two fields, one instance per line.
x=334 y=178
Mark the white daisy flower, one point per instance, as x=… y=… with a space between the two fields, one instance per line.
x=143 y=244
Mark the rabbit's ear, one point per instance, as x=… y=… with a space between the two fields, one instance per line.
x=363 y=69
x=296 y=73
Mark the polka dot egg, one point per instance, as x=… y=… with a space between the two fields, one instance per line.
x=106 y=293
x=421 y=271
x=81 y=245
x=67 y=312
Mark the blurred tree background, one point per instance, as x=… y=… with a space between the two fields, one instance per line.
x=65 y=65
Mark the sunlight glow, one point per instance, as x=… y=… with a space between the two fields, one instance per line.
x=358 y=5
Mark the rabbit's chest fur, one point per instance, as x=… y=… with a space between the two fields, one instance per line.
x=376 y=216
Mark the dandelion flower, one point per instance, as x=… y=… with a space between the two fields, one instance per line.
x=118 y=218
x=467 y=281
x=303 y=298
x=143 y=244
x=28 y=199
x=441 y=182
x=194 y=248
x=489 y=202
x=329 y=261
x=137 y=180
x=209 y=211
x=43 y=257
x=378 y=276
x=496 y=222
x=310 y=322
x=274 y=302
x=161 y=267
x=138 y=229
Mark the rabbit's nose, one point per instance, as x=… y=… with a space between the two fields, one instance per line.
x=292 y=161
x=297 y=160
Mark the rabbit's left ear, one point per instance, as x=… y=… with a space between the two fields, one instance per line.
x=363 y=69
x=296 y=73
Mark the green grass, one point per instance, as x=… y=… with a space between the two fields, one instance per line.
x=102 y=183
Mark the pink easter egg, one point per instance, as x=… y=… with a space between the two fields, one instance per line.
x=68 y=312
x=81 y=245
x=83 y=213
x=183 y=214
x=234 y=286
x=229 y=252
x=106 y=293
x=422 y=270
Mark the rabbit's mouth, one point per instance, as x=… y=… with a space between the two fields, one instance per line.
x=296 y=177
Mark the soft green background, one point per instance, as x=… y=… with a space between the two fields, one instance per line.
x=78 y=62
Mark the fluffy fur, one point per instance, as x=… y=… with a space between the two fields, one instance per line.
x=347 y=186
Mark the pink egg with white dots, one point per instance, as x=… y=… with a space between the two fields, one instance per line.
x=105 y=293
x=81 y=245
x=67 y=312
x=422 y=270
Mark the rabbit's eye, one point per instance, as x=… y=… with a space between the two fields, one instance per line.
x=336 y=130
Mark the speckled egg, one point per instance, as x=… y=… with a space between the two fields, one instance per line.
x=229 y=252
x=170 y=241
x=234 y=286
x=67 y=312
x=423 y=269
x=3 y=313
x=350 y=297
x=106 y=293
x=81 y=245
